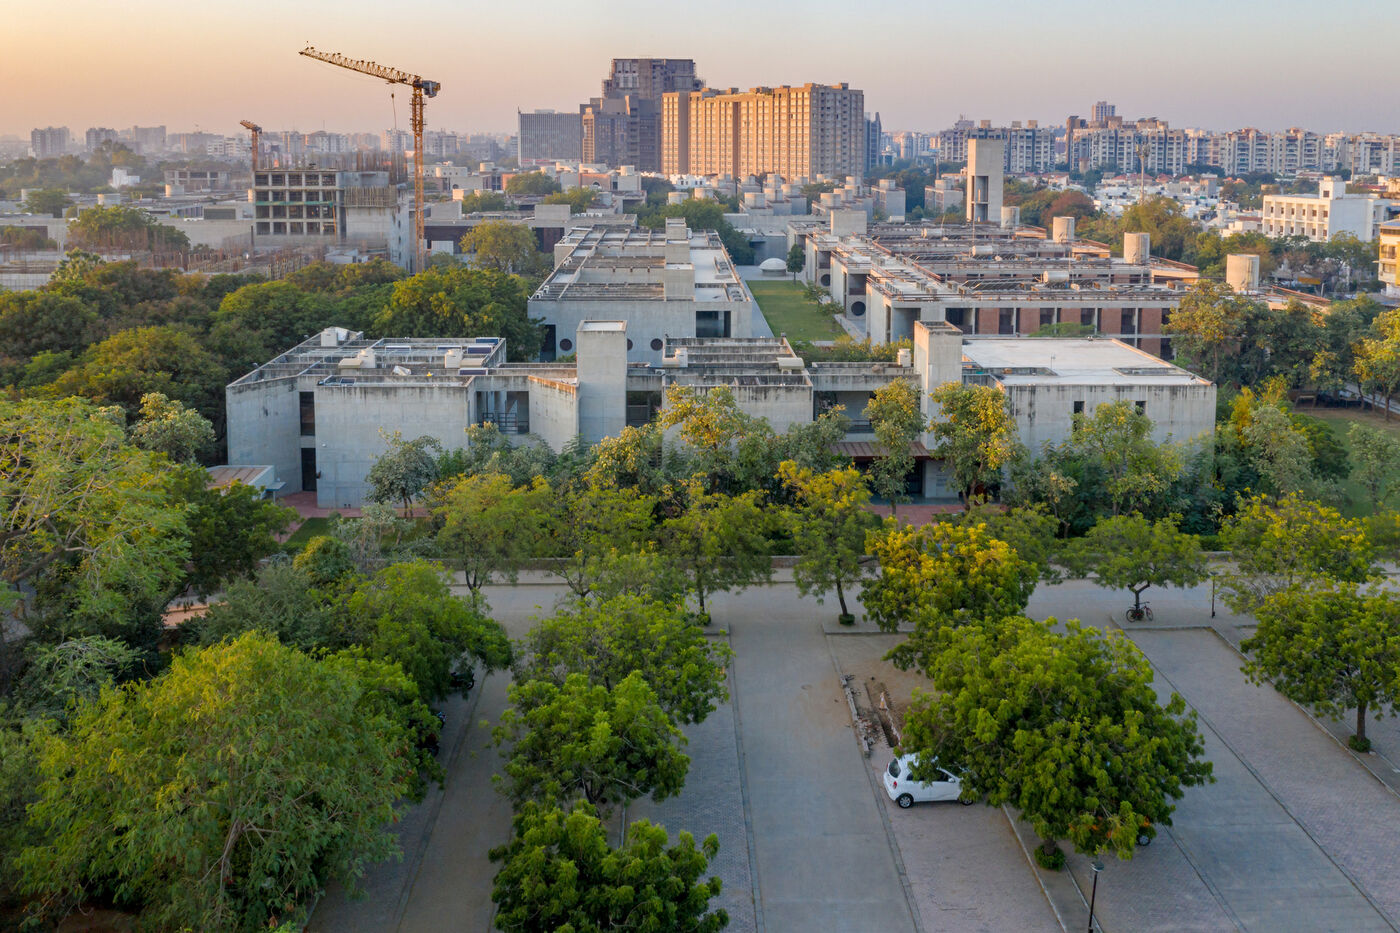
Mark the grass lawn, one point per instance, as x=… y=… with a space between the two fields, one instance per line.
x=1340 y=419
x=789 y=313
x=308 y=530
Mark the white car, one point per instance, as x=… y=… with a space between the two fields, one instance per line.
x=906 y=791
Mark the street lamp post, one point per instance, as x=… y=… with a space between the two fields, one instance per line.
x=1097 y=865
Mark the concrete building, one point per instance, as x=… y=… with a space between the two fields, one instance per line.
x=319 y=413
x=874 y=142
x=49 y=142
x=663 y=283
x=295 y=207
x=623 y=126
x=1028 y=148
x=97 y=135
x=1389 y=266
x=985 y=158
x=1322 y=216
x=796 y=132
x=547 y=136
x=188 y=181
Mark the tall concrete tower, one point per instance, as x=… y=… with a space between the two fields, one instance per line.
x=985 y=158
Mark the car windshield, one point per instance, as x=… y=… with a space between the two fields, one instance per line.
x=894 y=768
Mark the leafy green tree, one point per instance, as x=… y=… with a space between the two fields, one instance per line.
x=1279 y=452
x=61 y=676
x=406 y=614
x=646 y=572
x=1137 y=471
x=1173 y=234
x=1377 y=363
x=257 y=322
x=130 y=364
x=975 y=433
x=482 y=202
x=578 y=199
x=608 y=640
x=583 y=741
x=379 y=531
x=503 y=246
x=1208 y=330
x=326 y=560
x=589 y=522
x=404 y=471
x=33 y=322
x=531 y=183
x=83 y=505
x=488 y=527
x=1128 y=552
x=1331 y=647
x=50 y=201
x=459 y=302
x=796 y=259
x=230 y=530
x=639 y=459
x=170 y=428
x=1065 y=727
x=125 y=228
x=829 y=526
x=242 y=779
x=1029 y=530
x=719 y=542
x=897 y=422
x=559 y=873
x=1280 y=545
x=284 y=601
x=938 y=577
x=1375 y=454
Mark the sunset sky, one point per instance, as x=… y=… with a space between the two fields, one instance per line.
x=1217 y=64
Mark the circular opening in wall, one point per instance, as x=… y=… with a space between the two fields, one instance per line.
x=629 y=344
x=826 y=280
x=566 y=344
x=857 y=308
x=656 y=343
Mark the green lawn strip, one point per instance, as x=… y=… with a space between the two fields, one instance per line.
x=1358 y=503
x=309 y=529
x=788 y=312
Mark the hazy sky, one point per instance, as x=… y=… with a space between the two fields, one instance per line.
x=1217 y=64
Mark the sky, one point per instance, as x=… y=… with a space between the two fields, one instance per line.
x=1215 y=64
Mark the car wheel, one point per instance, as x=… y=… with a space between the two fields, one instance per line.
x=965 y=802
x=905 y=801
x=1144 y=839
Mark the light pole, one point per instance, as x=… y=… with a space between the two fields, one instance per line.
x=1097 y=865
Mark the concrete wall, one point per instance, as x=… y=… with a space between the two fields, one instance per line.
x=349 y=420
x=554 y=411
x=647 y=321
x=1045 y=413
x=264 y=426
x=602 y=379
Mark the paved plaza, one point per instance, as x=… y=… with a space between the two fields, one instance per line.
x=1297 y=833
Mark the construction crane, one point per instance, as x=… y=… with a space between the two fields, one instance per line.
x=422 y=87
x=256 y=130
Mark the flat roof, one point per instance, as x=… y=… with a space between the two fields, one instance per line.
x=1070 y=361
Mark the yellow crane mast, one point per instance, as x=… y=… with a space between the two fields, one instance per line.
x=422 y=87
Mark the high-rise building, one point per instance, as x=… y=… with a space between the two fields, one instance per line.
x=873 y=133
x=98 y=135
x=796 y=132
x=1103 y=110
x=548 y=136
x=623 y=127
x=49 y=142
x=148 y=140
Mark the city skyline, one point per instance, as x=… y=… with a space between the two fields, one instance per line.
x=1230 y=68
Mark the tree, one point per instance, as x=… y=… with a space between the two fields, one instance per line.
x=940 y=576
x=50 y=201
x=719 y=542
x=61 y=676
x=170 y=428
x=712 y=426
x=1065 y=727
x=242 y=780
x=897 y=422
x=1378 y=358
x=130 y=364
x=589 y=522
x=559 y=873
x=406 y=614
x=1282 y=544
x=975 y=433
x=829 y=527
x=1375 y=454
x=608 y=640
x=578 y=199
x=796 y=259
x=531 y=183
x=1208 y=329
x=230 y=530
x=503 y=246
x=284 y=601
x=482 y=202
x=82 y=502
x=1137 y=471
x=581 y=741
x=1331 y=647
x=1128 y=552
x=460 y=302
x=124 y=228
x=1279 y=453
x=488 y=527
x=401 y=473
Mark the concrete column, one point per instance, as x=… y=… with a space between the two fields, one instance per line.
x=602 y=379
x=1242 y=272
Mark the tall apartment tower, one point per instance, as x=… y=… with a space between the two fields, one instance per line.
x=1103 y=110
x=623 y=126
x=985 y=158
x=874 y=132
x=49 y=142
x=547 y=136
x=796 y=132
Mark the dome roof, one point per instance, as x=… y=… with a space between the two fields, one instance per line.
x=773 y=265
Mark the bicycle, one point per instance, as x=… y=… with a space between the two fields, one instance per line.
x=1139 y=613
